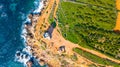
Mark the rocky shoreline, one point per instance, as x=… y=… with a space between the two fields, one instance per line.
x=30 y=34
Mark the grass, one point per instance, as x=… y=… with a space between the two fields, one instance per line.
x=100 y=3
x=51 y=18
x=90 y=26
x=74 y=58
x=95 y=58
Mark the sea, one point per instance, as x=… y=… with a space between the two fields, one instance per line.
x=13 y=16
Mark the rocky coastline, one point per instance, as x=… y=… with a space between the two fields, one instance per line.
x=30 y=35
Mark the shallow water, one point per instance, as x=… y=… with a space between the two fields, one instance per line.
x=13 y=13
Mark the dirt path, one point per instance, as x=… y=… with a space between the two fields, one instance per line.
x=117 y=27
x=42 y=19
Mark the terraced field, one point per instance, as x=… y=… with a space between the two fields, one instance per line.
x=90 y=24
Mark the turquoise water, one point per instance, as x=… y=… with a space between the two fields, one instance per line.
x=13 y=13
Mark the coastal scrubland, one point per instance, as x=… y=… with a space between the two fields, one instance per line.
x=90 y=24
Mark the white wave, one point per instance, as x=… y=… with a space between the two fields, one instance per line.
x=23 y=59
x=24 y=31
x=24 y=55
x=25 y=17
x=36 y=3
x=27 y=50
x=40 y=6
x=28 y=20
x=24 y=34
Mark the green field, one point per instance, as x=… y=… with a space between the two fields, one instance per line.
x=101 y=3
x=90 y=25
x=95 y=58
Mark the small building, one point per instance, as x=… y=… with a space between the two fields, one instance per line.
x=47 y=35
x=62 y=48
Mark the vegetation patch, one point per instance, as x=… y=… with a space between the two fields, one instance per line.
x=100 y=3
x=95 y=58
x=51 y=18
x=90 y=24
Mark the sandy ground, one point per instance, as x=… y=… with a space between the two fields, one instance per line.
x=117 y=27
x=57 y=40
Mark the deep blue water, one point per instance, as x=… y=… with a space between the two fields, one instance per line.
x=12 y=15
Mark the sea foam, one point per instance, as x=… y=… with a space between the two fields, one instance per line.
x=25 y=53
x=38 y=10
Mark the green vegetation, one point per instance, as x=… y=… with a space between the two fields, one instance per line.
x=53 y=24
x=74 y=57
x=43 y=46
x=100 y=3
x=64 y=63
x=92 y=65
x=95 y=58
x=51 y=18
x=90 y=25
